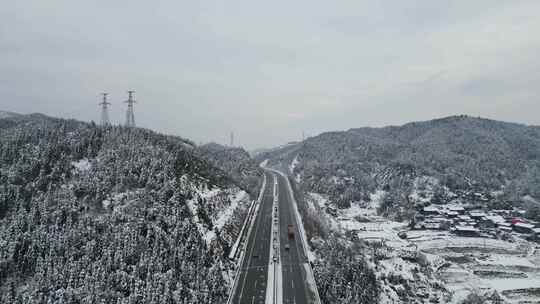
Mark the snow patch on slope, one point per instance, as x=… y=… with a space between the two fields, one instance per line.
x=400 y=277
x=223 y=217
x=223 y=202
x=82 y=165
x=293 y=166
x=316 y=200
x=317 y=204
x=423 y=189
x=119 y=199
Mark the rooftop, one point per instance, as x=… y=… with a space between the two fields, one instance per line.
x=466 y=228
x=496 y=218
x=524 y=225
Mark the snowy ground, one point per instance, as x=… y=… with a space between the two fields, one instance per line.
x=292 y=166
x=512 y=269
x=82 y=165
x=225 y=202
x=447 y=267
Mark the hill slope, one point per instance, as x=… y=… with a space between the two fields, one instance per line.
x=6 y=114
x=111 y=215
x=346 y=180
x=236 y=162
x=459 y=152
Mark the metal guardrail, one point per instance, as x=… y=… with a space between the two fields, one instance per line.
x=234 y=251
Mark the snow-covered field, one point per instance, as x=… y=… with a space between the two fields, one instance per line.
x=511 y=269
x=447 y=267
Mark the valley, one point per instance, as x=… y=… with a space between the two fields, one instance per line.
x=441 y=211
x=340 y=218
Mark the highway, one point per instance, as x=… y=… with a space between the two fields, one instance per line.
x=293 y=260
x=253 y=275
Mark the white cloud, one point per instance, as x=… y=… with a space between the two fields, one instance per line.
x=202 y=68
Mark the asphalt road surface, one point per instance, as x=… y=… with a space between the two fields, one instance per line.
x=251 y=287
x=253 y=275
x=293 y=259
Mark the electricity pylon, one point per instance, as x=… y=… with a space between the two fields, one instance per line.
x=105 y=110
x=130 y=117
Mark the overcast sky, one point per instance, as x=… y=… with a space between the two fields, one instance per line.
x=269 y=70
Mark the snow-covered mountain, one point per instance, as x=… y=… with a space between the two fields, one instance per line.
x=236 y=162
x=6 y=114
x=112 y=215
x=461 y=153
x=359 y=189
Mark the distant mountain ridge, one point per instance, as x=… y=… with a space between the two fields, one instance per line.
x=461 y=152
x=6 y=114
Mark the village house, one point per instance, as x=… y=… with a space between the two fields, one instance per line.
x=466 y=231
x=523 y=227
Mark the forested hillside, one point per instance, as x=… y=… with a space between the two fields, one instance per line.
x=459 y=152
x=111 y=215
x=397 y=171
x=236 y=162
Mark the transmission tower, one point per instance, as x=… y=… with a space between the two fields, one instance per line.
x=105 y=110
x=130 y=117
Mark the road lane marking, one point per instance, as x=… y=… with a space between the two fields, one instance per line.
x=252 y=246
x=297 y=255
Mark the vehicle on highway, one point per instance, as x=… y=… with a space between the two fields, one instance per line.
x=290 y=231
x=287 y=247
